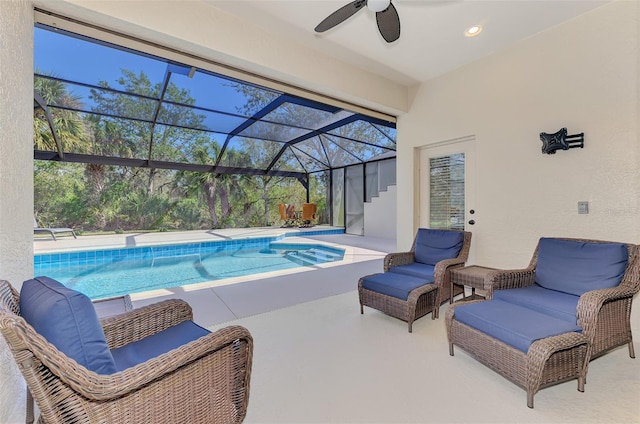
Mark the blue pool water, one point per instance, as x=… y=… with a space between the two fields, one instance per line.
x=115 y=272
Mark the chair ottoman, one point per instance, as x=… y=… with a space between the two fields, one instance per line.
x=401 y=296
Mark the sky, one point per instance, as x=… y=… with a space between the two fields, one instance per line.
x=78 y=60
x=88 y=61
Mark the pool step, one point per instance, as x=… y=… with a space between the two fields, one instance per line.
x=322 y=255
x=168 y=254
x=311 y=257
x=296 y=258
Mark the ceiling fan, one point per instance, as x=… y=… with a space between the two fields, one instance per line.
x=386 y=17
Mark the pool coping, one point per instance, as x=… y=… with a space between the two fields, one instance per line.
x=97 y=255
x=133 y=240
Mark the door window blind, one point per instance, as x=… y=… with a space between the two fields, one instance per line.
x=446 y=192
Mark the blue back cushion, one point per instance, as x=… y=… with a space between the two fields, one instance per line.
x=576 y=267
x=68 y=320
x=432 y=246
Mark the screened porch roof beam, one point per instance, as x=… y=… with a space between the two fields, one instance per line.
x=314 y=133
x=177 y=166
x=273 y=105
x=39 y=102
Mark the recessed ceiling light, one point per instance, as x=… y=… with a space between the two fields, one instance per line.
x=473 y=31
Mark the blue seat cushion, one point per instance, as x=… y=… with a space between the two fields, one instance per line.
x=68 y=320
x=150 y=347
x=432 y=246
x=578 y=267
x=512 y=324
x=415 y=269
x=558 y=304
x=393 y=284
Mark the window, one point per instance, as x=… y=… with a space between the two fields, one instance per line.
x=446 y=192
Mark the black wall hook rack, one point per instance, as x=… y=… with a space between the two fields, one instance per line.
x=560 y=140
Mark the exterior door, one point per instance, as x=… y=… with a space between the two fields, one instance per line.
x=446 y=186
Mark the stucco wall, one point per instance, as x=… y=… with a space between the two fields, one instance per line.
x=582 y=75
x=16 y=176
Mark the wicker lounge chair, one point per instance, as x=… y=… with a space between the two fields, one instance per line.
x=602 y=318
x=204 y=380
x=430 y=290
x=604 y=315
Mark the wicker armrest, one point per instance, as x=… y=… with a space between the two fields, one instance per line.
x=96 y=387
x=142 y=322
x=541 y=350
x=451 y=310
x=591 y=302
x=445 y=265
x=397 y=259
x=508 y=279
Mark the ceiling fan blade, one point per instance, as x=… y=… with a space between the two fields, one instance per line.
x=389 y=23
x=340 y=15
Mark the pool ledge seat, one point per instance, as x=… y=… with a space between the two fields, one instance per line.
x=134 y=366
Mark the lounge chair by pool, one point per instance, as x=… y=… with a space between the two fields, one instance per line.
x=53 y=231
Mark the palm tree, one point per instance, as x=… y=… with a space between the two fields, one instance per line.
x=68 y=124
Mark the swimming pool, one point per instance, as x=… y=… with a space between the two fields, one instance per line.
x=115 y=272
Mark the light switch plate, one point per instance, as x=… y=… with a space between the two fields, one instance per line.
x=583 y=207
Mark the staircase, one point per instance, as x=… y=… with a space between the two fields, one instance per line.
x=380 y=215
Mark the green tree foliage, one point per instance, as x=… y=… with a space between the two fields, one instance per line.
x=103 y=197
x=59 y=194
x=68 y=124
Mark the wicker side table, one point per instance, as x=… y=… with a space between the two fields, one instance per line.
x=471 y=276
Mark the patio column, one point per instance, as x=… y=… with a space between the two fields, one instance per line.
x=16 y=176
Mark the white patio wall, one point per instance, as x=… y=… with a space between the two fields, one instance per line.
x=582 y=75
x=16 y=176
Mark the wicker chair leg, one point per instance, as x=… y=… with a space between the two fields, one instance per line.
x=530 y=399
x=410 y=314
x=632 y=354
x=585 y=368
x=361 y=309
x=450 y=349
x=30 y=414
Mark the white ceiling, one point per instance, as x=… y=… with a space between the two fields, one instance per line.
x=432 y=40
